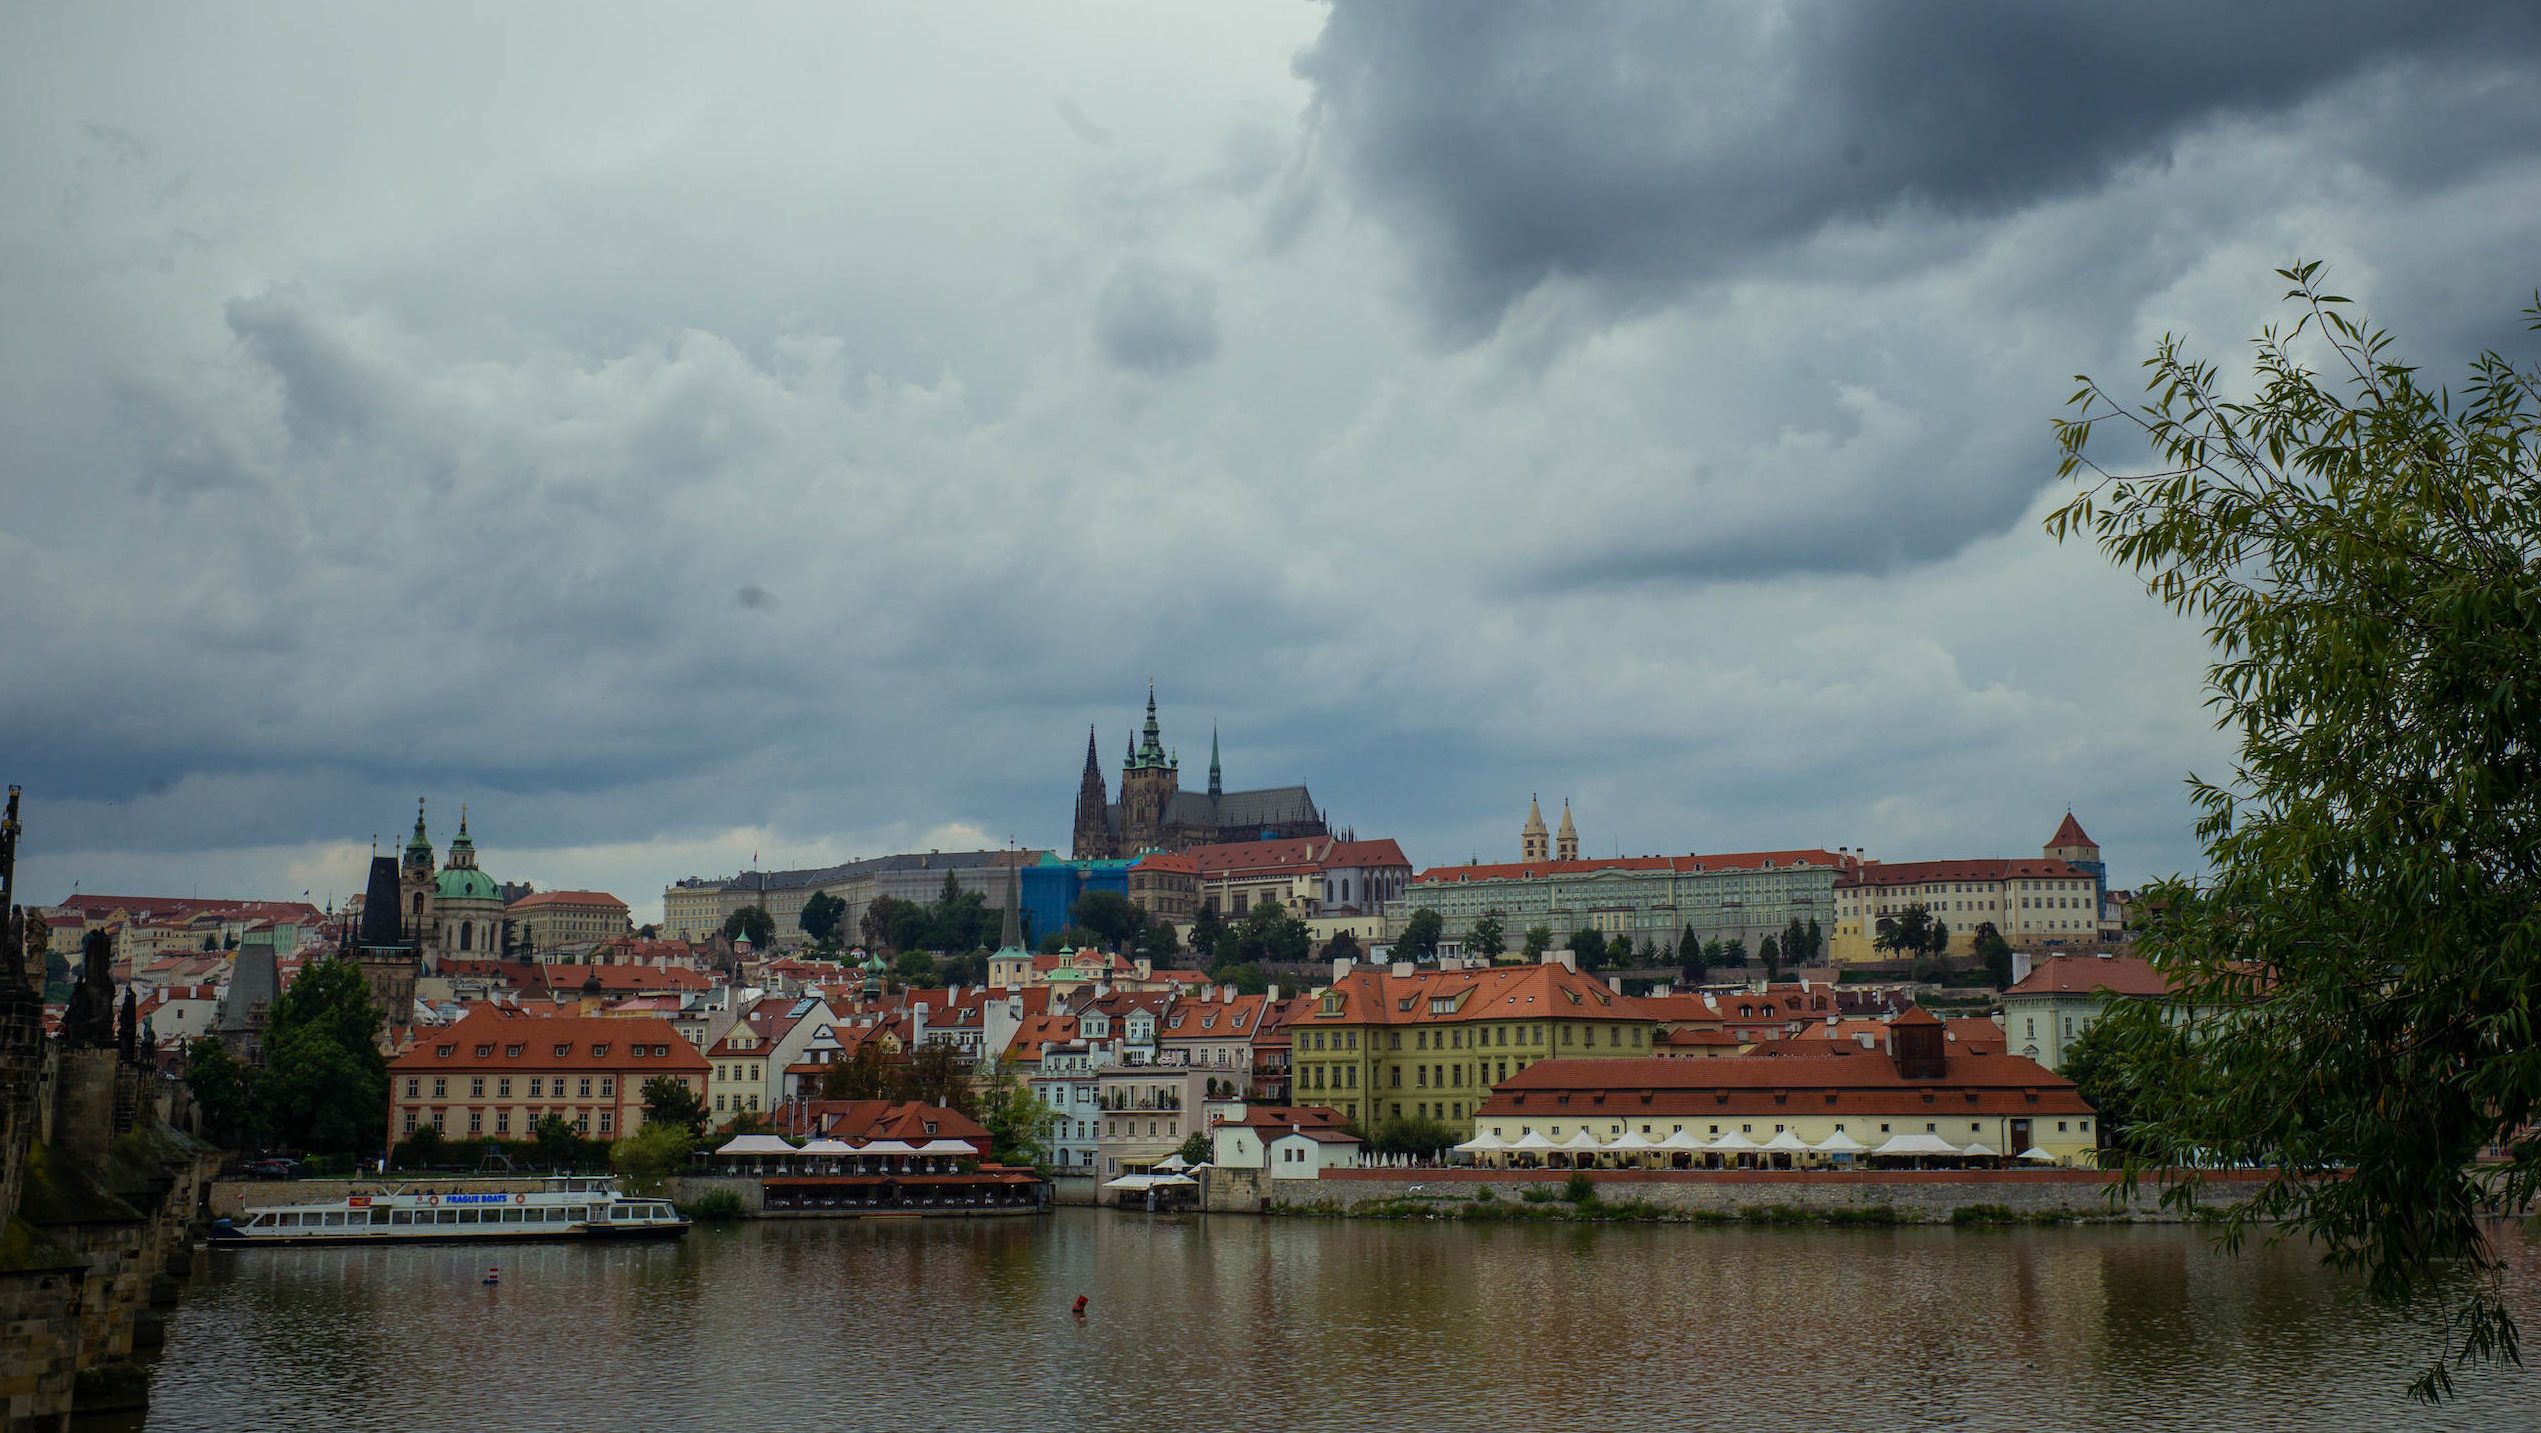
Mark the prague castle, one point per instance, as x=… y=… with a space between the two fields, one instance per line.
x=1154 y=813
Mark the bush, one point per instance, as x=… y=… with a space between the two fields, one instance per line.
x=1538 y=1194
x=716 y=1206
x=1579 y=1189
x=1984 y=1214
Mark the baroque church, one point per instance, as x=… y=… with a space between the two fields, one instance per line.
x=456 y=910
x=1154 y=813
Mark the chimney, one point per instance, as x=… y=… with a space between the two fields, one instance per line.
x=917 y=1026
x=1615 y=984
x=1270 y=996
x=1226 y=992
x=2021 y=963
x=1341 y=966
x=1402 y=970
x=1566 y=958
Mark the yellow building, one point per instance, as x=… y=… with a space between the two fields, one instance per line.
x=1398 y=1043
x=545 y=920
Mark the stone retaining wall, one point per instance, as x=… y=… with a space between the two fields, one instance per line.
x=1901 y=1196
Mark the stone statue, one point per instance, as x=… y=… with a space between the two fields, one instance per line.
x=127 y=1028
x=89 y=1024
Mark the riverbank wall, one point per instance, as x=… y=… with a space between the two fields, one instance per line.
x=1762 y=1196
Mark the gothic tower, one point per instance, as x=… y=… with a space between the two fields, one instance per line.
x=1533 y=844
x=1148 y=781
x=1217 y=786
x=1093 y=832
x=414 y=882
x=1566 y=840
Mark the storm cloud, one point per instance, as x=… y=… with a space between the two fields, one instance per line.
x=680 y=451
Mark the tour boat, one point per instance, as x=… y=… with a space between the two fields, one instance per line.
x=566 y=1208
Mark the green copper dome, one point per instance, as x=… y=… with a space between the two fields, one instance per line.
x=461 y=883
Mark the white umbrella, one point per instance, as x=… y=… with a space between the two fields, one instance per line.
x=1839 y=1143
x=756 y=1144
x=947 y=1146
x=1172 y=1162
x=1785 y=1139
x=1133 y=1183
x=888 y=1146
x=1978 y=1149
x=2036 y=1155
x=826 y=1146
x=1916 y=1144
x=1174 y=1181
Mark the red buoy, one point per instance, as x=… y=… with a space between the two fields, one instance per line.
x=1079 y=1310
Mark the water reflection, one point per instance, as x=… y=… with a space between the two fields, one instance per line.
x=1303 y=1324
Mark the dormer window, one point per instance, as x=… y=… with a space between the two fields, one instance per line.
x=563 y=1051
x=484 y=1051
x=511 y=1052
x=445 y=1051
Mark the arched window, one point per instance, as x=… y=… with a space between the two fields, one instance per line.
x=467 y=931
x=419 y=903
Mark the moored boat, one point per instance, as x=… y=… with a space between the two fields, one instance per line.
x=570 y=1207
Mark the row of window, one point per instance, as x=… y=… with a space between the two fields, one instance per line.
x=503 y=1087
x=581 y=1120
x=562 y=1051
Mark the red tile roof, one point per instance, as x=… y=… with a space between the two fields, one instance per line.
x=1166 y=861
x=181 y=908
x=1843 y=1081
x=858 y=1121
x=1301 y=855
x=538 y=899
x=1376 y=996
x=1280 y=1117
x=1729 y=861
x=2069 y=832
x=2084 y=974
x=495 y=1040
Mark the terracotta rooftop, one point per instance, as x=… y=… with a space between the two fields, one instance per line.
x=1683 y=865
x=2084 y=974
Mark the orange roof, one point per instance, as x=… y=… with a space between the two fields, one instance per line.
x=2084 y=974
x=1281 y=1117
x=1166 y=861
x=537 y=899
x=1190 y=1019
x=2069 y=832
x=495 y=1040
x=1300 y=854
x=1683 y=865
x=1376 y=996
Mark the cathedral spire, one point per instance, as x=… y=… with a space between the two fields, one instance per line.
x=1150 y=750
x=1533 y=843
x=1217 y=787
x=1566 y=840
x=1011 y=937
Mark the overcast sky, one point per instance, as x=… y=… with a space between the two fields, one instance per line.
x=679 y=433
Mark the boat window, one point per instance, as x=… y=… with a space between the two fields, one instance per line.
x=335 y=1219
x=467 y=1216
x=402 y=1216
x=511 y=1216
x=261 y=1221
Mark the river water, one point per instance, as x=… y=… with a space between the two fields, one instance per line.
x=1241 y=1323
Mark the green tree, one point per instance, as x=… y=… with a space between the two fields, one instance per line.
x=1412 y=1136
x=1539 y=939
x=2356 y=976
x=1115 y=922
x=1907 y=933
x=822 y=918
x=878 y=926
x=1206 y=927
x=224 y=1092
x=863 y=1075
x=1246 y=977
x=669 y=1100
x=1689 y=959
x=325 y=1083
x=1196 y=1149
x=558 y=1146
x=1019 y=1125
x=933 y=1075
x=420 y=1150
x=915 y=967
x=1342 y=946
x=1487 y=937
x=1421 y=934
x=1995 y=954
x=1589 y=948
x=751 y=923
x=967 y=969
x=652 y=1154
x=2111 y=1077
x=1769 y=954
x=1268 y=933
x=1734 y=951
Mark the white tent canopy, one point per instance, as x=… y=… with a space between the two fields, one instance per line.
x=1916 y=1144
x=888 y=1146
x=1483 y=1143
x=1174 y=1181
x=1679 y=1139
x=1839 y=1143
x=1734 y=1143
x=1582 y=1142
x=1978 y=1149
x=1532 y=1140
x=2036 y=1155
x=1133 y=1183
x=755 y=1144
x=1172 y=1162
x=1786 y=1140
x=947 y=1146
x=826 y=1146
x=1631 y=1141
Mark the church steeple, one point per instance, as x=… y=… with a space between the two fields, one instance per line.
x=1566 y=840
x=462 y=847
x=1533 y=843
x=1093 y=826
x=1010 y=937
x=1150 y=751
x=1217 y=785
x=419 y=845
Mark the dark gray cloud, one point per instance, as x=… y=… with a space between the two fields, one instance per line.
x=1639 y=147
x=1153 y=318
